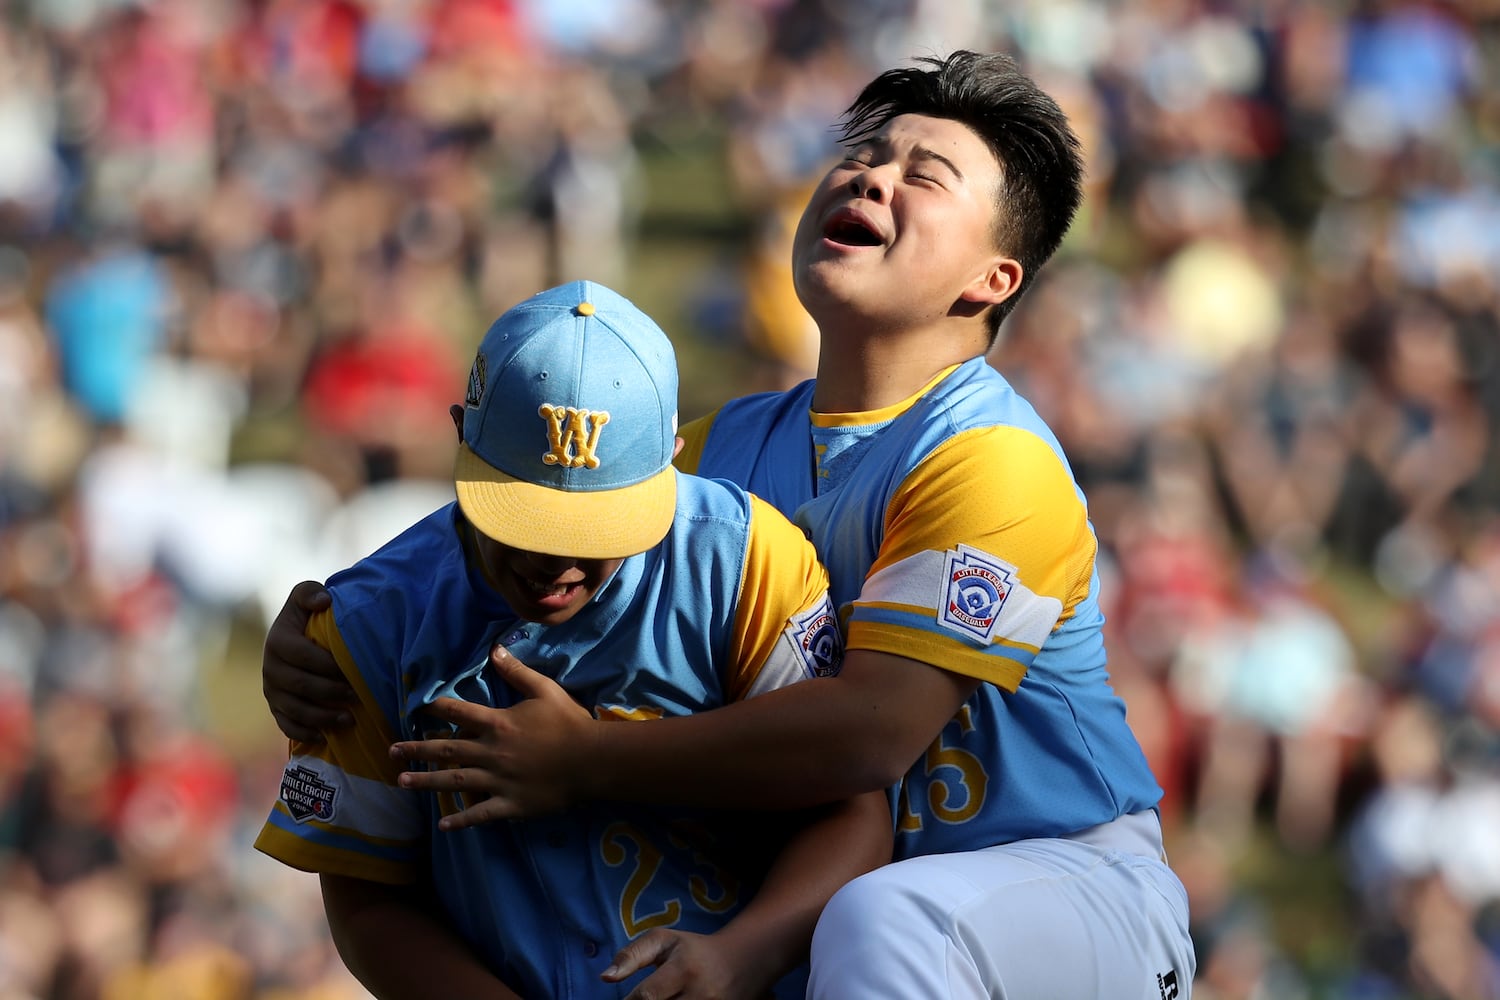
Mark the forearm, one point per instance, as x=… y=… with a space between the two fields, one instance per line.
x=844 y=840
x=811 y=743
x=396 y=945
x=767 y=752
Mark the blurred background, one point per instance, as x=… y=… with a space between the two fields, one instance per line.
x=247 y=248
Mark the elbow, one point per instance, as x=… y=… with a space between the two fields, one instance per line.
x=888 y=710
x=878 y=763
x=874 y=756
x=889 y=769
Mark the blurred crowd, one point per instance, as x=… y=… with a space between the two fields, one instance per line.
x=248 y=246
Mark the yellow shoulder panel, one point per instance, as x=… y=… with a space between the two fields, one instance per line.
x=782 y=578
x=694 y=435
x=364 y=750
x=1004 y=491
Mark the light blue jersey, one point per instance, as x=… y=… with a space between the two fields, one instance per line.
x=1001 y=586
x=548 y=902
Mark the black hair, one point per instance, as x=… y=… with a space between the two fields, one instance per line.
x=1041 y=163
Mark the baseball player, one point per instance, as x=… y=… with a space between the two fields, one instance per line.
x=1029 y=858
x=642 y=593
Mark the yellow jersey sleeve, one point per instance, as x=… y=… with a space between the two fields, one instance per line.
x=785 y=626
x=340 y=810
x=694 y=435
x=987 y=548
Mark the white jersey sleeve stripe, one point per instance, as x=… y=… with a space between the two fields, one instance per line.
x=810 y=646
x=378 y=811
x=1026 y=619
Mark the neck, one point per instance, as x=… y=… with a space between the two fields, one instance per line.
x=866 y=369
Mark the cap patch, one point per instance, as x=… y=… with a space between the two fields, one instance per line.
x=476 y=382
x=306 y=795
x=977 y=585
x=572 y=436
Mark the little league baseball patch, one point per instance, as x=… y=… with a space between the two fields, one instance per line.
x=977 y=586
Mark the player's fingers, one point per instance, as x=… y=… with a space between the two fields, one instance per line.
x=478 y=814
x=286 y=683
x=446 y=779
x=289 y=651
x=661 y=985
x=309 y=596
x=301 y=665
x=466 y=714
x=518 y=675
x=449 y=779
x=651 y=948
x=306 y=716
x=454 y=753
x=292 y=730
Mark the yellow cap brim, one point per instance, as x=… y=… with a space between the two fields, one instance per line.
x=607 y=524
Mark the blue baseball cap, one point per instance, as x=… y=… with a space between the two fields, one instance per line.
x=570 y=422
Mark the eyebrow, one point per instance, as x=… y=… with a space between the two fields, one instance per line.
x=923 y=153
x=918 y=152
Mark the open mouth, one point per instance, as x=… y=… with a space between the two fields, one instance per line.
x=849 y=231
x=538 y=589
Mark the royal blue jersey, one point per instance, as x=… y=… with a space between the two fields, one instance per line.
x=733 y=602
x=955 y=535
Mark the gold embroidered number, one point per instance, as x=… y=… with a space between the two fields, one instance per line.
x=647 y=864
x=971 y=779
x=713 y=890
x=701 y=888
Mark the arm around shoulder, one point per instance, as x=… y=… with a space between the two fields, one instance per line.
x=302 y=684
x=807 y=744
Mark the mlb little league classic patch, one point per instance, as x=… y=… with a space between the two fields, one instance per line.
x=976 y=586
x=306 y=795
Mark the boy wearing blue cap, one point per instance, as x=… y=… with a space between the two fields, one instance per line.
x=644 y=593
x=975 y=683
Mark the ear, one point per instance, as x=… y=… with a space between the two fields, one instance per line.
x=677 y=448
x=1000 y=280
x=456 y=412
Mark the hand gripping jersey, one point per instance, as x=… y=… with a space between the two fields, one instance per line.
x=698 y=621
x=955 y=535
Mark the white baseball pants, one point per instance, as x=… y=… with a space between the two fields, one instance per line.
x=1099 y=915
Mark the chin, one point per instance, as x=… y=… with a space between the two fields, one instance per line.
x=822 y=285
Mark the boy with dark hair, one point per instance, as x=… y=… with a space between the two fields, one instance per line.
x=1021 y=126
x=1029 y=858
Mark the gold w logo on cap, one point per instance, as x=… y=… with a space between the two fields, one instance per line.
x=572 y=435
